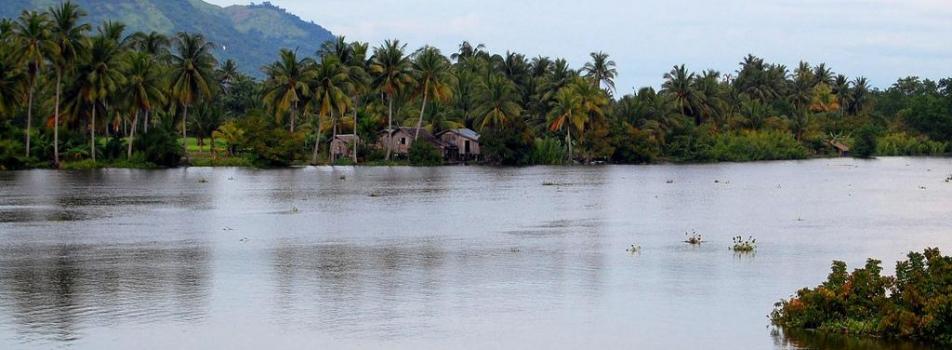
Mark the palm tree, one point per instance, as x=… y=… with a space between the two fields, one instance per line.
x=69 y=41
x=496 y=104
x=353 y=56
x=144 y=87
x=11 y=80
x=680 y=85
x=859 y=96
x=566 y=111
x=33 y=41
x=228 y=73
x=432 y=72
x=100 y=78
x=330 y=86
x=391 y=73
x=601 y=71
x=287 y=83
x=152 y=43
x=192 y=73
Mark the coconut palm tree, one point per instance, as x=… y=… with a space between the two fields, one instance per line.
x=329 y=86
x=679 y=83
x=144 y=87
x=11 y=80
x=566 y=113
x=287 y=83
x=391 y=73
x=601 y=70
x=432 y=71
x=68 y=36
x=100 y=77
x=153 y=43
x=228 y=73
x=33 y=40
x=354 y=58
x=496 y=103
x=192 y=73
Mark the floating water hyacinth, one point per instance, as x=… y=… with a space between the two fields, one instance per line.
x=744 y=245
x=634 y=249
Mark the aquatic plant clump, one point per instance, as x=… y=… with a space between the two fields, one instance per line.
x=915 y=304
x=744 y=245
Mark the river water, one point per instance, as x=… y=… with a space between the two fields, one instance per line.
x=450 y=257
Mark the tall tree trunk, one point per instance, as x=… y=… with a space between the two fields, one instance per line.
x=356 y=139
x=293 y=116
x=317 y=142
x=29 y=117
x=145 y=123
x=59 y=89
x=390 y=127
x=92 y=133
x=184 y=132
x=419 y=123
x=568 y=140
x=331 y=145
x=132 y=134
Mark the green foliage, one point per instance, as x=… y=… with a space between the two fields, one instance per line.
x=160 y=146
x=864 y=142
x=903 y=144
x=425 y=154
x=504 y=146
x=269 y=146
x=756 y=145
x=547 y=151
x=915 y=304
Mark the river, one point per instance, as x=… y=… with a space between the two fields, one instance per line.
x=448 y=257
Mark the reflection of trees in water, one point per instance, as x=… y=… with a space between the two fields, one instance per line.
x=57 y=291
x=405 y=289
x=813 y=340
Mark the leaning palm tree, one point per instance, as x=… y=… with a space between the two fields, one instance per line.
x=69 y=42
x=432 y=71
x=601 y=71
x=390 y=69
x=100 y=78
x=192 y=74
x=33 y=40
x=287 y=83
x=329 y=86
x=144 y=87
x=496 y=101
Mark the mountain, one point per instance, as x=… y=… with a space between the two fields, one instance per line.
x=251 y=35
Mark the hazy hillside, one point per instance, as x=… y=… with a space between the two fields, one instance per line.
x=251 y=35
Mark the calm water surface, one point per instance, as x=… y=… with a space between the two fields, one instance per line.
x=453 y=257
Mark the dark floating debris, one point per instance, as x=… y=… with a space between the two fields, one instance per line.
x=693 y=238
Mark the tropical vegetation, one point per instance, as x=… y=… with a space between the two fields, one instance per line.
x=105 y=96
x=915 y=304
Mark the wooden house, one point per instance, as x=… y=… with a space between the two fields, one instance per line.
x=401 y=139
x=464 y=142
x=342 y=146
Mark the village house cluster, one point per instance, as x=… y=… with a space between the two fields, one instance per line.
x=456 y=145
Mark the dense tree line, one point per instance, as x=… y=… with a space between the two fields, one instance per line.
x=100 y=96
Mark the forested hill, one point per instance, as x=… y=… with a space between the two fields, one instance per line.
x=251 y=35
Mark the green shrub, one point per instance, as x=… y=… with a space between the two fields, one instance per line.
x=160 y=147
x=903 y=144
x=547 y=151
x=915 y=304
x=864 y=142
x=425 y=154
x=755 y=146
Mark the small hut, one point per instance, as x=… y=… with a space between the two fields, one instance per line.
x=465 y=144
x=841 y=149
x=342 y=146
x=401 y=139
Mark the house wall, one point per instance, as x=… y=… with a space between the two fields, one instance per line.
x=460 y=142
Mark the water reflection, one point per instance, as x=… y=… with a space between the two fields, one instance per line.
x=57 y=291
x=794 y=340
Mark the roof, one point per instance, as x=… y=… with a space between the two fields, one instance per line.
x=464 y=132
x=346 y=137
x=839 y=146
x=424 y=135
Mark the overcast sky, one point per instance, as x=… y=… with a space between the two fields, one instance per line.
x=880 y=39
